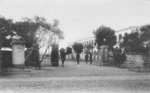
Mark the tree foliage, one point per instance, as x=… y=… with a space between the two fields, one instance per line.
x=68 y=50
x=145 y=34
x=105 y=36
x=137 y=41
x=35 y=32
x=31 y=30
x=6 y=31
x=77 y=47
x=62 y=50
x=132 y=42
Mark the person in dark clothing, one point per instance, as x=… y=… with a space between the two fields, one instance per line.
x=86 y=58
x=78 y=58
x=63 y=56
x=91 y=60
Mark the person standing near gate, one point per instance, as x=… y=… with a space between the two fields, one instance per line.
x=63 y=55
x=86 y=58
x=91 y=60
x=78 y=58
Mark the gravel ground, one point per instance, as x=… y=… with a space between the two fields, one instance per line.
x=83 y=78
x=110 y=86
x=71 y=69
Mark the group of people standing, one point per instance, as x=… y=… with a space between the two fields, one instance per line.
x=88 y=56
x=63 y=54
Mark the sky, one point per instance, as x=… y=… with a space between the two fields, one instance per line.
x=79 y=18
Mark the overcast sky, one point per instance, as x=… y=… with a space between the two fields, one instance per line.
x=78 y=18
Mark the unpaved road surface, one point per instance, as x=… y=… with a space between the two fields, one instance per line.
x=72 y=78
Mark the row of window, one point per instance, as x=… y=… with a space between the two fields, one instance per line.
x=89 y=42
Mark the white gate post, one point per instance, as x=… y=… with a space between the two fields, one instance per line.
x=18 y=53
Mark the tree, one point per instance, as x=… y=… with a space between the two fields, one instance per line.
x=133 y=43
x=137 y=41
x=62 y=50
x=77 y=47
x=68 y=50
x=35 y=32
x=49 y=36
x=26 y=31
x=145 y=34
x=5 y=33
x=105 y=36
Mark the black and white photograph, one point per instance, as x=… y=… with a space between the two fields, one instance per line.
x=74 y=46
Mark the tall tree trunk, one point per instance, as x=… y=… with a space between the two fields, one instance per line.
x=44 y=53
x=29 y=54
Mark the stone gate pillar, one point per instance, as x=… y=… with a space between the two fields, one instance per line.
x=55 y=55
x=103 y=55
x=18 y=53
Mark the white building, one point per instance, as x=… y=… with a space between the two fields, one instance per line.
x=120 y=33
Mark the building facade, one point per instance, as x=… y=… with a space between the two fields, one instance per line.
x=91 y=41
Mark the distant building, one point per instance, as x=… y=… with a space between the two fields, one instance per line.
x=86 y=41
x=119 y=34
